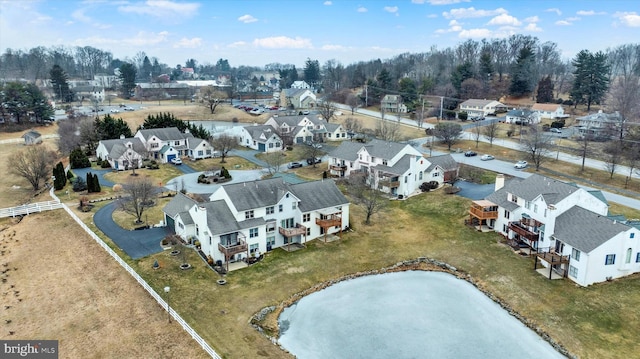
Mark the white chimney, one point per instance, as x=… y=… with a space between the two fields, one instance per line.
x=499 y=181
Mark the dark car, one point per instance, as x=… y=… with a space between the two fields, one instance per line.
x=294 y=165
x=311 y=161
x=470 y=154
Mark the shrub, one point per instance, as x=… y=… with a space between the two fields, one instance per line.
x=105 y=164
x=568 y=103
x=79 y=185
x=428 y=186
x=558 y=123
x=79 y=159
x=69 y=175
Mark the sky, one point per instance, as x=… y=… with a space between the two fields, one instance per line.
x=256 y=33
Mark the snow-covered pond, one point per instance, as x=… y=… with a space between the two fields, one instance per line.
x=413 y=314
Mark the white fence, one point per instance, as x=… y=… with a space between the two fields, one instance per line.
x=29 y=208
x=143 y=283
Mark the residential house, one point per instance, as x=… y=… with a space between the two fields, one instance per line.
x=444 y=168
x=522 y=117
x=481 y=108
x=297 y=98
x=32 y=137
x=263 y=138
x=334 y=131
x=302 y=128
x=394 y=168
x=393 y=104
x=599 y=125
x=250 y=218
x=300 y=85
x=89 y=93
x=566 y=227
x=178 y=144
x=163 y=91
x=122 y=153
x=549 y=110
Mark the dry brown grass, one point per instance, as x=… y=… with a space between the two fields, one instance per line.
x=61 y=285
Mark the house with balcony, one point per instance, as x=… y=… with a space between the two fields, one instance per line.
x=263 y=138
x=167 y=143
x=564 y=227
x=392 y=104
x=391 y=167
x=481 y=108
x=250 y=218
x=599 y=125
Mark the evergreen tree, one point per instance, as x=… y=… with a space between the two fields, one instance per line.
x=165 y=120
x=89 y=181
x=523 y=75
x=78 y=159
x=461 y=73
x=590 y=82
x=312 y=72
x=545 y=90
x=109 y=128
x=59 y=84
x=384 y=79
x=96 y=183
x=127 y=79
x=60 y=177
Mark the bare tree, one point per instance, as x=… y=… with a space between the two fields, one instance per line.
x=211 y=97
x=624 y=97
x=312 y=152
x=223 y=144
x=274 y=161
x=585 y=145
x=139 y=196
x=613 y=157
x=476 y=132
x=352 y=102
x=372 y=200
x=33 y=164
x=327 y=110
x=448 y=133
x=352 y=125
x=387 y=130
x=490 y=131
x=536 y=144
x=68 y=136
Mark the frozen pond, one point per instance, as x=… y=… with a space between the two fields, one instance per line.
x=414 y=314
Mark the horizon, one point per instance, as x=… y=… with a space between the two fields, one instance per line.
x=257 y=33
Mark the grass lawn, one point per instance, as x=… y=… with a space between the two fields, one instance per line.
x=594 y=322
x=230 y=163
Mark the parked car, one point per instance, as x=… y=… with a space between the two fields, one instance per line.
x=305 y=112
x=294 y=165
x=470 y=154
x=114 y=110
x=521 y=164
x=176 y=161
x=311 y=161
x=128 y=108
x=487 y=157
x=555 y=130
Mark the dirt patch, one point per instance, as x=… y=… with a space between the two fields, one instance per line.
x=49 y=291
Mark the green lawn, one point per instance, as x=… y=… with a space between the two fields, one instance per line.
x=600 y=321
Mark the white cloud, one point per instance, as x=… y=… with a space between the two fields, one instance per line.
x=631 y=19
x=471 y=12
x=327 y=3
x=554 y=9
x=589 y=13
x=185 y=43
x=141 y=39
x=504 y=19
x=238 y=44
x=162 y=9
x=475 y=34
x=563 y=23
x=391 y=9
x=282 y=42
x=247 y=19
x=573 y=18
x=532 y=19
x=80 y=16
x=532 y=27
x=362 y=9
x=439 y=2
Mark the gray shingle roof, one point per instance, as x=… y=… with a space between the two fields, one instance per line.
x=117 y=147
x=220 y=220
x=399 y=168
x=384 y=149
x=553 y=191
x=257 y=131
x=164 y=134
x=256 y=194
x=500 y=198
x=586 y=230
x=347 y=150
x=179 y=203
x=318 y=194
x=446 y=162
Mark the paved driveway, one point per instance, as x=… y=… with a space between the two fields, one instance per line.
x=137 y=244
x=82 y=173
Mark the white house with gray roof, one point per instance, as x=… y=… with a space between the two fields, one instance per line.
x=263 y=138
x=394 y=168
x=122 y=153
x=565 y=226
x=170 y=141
x=481 y=108
x=249 y=218
x=303 y=128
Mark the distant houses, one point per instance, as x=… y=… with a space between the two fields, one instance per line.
x=481 y=108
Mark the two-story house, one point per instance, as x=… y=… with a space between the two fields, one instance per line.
x=249 y=218
x=122 y=153
x=562 y=225
x=302 y=128
x=263 y=138
x=394 y=168
x=481 y=108
x=393 y=104
x=297 y=98
x=522 y=117
x=155 y=139
x=599 y=125
x=549 y=110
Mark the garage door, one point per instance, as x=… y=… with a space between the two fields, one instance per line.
x=261 y=147
x=170 y=157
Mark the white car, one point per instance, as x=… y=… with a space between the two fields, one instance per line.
x=487 y=157
x=114 y=110
x=521 y=164
x=555 y=130
x=176 y=161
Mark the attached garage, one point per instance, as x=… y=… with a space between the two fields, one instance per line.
x=262 y=147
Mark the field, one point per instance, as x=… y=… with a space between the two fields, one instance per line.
x=68 y=288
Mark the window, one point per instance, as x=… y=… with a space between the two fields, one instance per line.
x=632 y=235
x=253 y=248
x=527 y=205
x=287 y=223
x=270 y=144
x=176 y=143
x=306 y=217
x=180 y=225
x=308 y=231
x=248 y=214
x=628 y=259
x=294 y=205
x=270 y=210
x=197 y=230
x=253 y=232
x=573 y=271
x=271 y=241
x=638 y=257
x=200 y=153
x=535 y=208
x=279 y=208
x=271 y=226
x=506 y=214
x=575 y=254
x=610 y=259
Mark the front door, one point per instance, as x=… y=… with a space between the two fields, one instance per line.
x=559 y=247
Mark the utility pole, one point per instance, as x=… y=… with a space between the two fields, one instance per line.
x=441 y=104
x=366 y=96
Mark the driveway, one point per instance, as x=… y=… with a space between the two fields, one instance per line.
x=82 y=173
x=136 y=244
